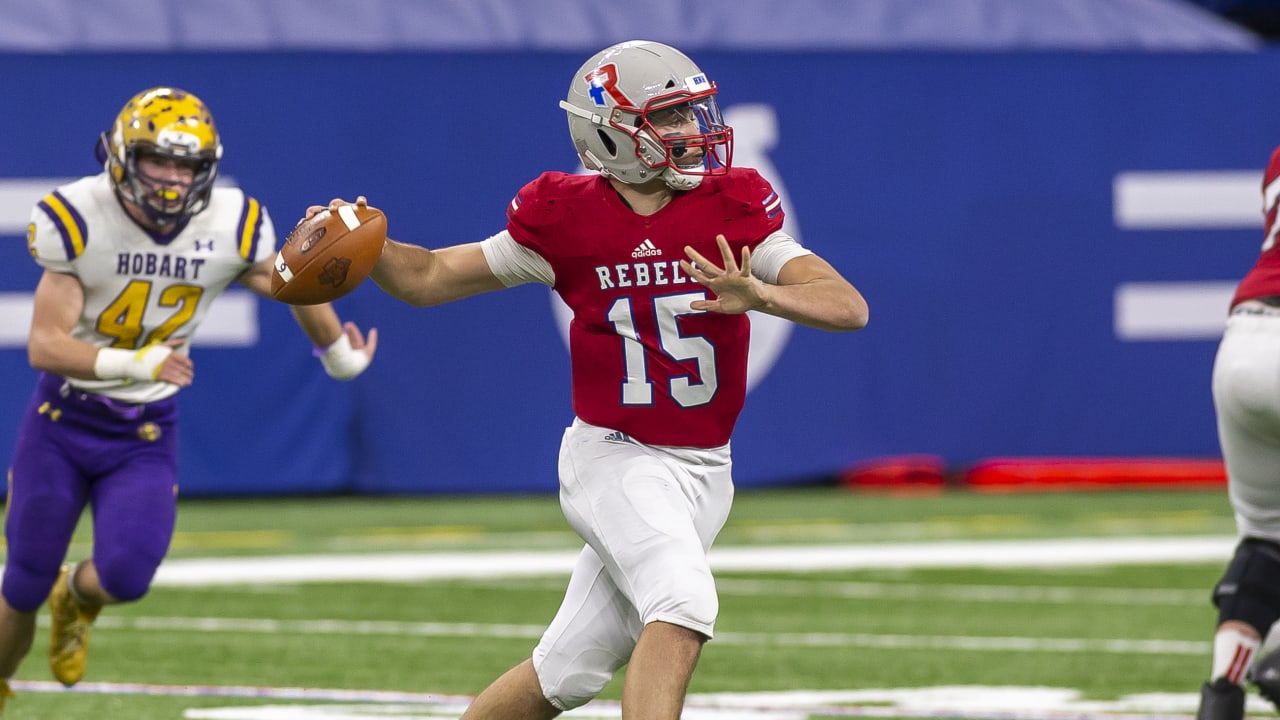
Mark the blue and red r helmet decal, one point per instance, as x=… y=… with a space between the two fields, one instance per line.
x=604 y=79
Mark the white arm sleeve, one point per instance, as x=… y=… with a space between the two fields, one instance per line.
x=774 y=252
x=515 y=264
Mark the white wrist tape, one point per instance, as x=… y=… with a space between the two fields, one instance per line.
x=342 y=361
x=118 y=364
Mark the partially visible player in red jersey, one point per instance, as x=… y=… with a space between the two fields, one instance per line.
x=659 y=256
x=1246 y=397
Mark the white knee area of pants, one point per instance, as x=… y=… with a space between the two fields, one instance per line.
x=679 y=590
x=695 y=612
x=589 y=639
x=569 y=682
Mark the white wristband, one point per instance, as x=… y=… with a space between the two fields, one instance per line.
x=342 y=361
x=118 y=364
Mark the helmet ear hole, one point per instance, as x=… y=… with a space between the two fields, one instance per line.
x=608 y=142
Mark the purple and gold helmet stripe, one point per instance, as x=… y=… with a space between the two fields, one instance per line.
x=249 y=228
x=68 y=221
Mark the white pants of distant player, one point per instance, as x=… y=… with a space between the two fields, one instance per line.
x=1246 y=396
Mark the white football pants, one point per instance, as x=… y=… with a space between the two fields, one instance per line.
x=648 y=515
x=1246 y=396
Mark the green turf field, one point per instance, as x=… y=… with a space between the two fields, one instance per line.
x=1086 y=640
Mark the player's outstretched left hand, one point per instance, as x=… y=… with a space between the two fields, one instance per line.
x=736 y=289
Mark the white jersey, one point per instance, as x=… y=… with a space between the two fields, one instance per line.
x=141 y=288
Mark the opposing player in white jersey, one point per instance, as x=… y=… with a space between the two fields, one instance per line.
x=659 y=256
x=133 y=257
x=1246 y=396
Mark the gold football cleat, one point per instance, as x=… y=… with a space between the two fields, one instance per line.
x=69 y=634
x=5 y=694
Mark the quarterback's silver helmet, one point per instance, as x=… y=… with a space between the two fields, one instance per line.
x=640 y=110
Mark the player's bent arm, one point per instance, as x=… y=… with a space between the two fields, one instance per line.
x=422 y=277
x=811 y=292
x=347 y=354
x=59 y=299
x=51 y=348
x=319 y=322
x=257 y=277
x=342 y=349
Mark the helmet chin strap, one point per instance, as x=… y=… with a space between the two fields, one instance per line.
x=677 y=180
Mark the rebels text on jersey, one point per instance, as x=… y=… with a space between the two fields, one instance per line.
x=643 y=361
x=1264 y=278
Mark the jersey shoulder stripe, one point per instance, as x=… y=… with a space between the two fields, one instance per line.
x=68 y=221
x=249 y=228
x=772 y=204
x=516 y=202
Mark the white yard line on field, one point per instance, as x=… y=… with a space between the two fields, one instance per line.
x=964 y=593
x=412 y=567
x=952 y=593
x=533 y=632
x=953 y=702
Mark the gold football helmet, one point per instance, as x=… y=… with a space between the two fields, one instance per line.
x=169 y=123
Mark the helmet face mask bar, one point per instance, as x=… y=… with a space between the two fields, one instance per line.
x=638 y=109
x=168 y=125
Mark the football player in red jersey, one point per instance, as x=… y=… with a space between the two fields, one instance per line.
x=659 y=254
x=1246 y=398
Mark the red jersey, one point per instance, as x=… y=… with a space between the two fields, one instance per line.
x=1264 y=278
x=643 y=361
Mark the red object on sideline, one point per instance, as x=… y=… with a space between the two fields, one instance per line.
x=899 y=472
x=1050 y=473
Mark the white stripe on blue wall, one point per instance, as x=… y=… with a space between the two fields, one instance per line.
x=1181 y=200
x=1187 y=200
x=17 y=198
x=1172 y=310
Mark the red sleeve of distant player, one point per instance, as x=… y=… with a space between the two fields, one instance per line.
x=1264 y=278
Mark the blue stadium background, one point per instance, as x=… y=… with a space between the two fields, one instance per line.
x=971 y=175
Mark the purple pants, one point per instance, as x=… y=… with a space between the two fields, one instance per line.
x=76 y=449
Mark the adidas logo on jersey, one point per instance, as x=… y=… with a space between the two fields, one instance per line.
x=645 y=249
x=617 y=436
